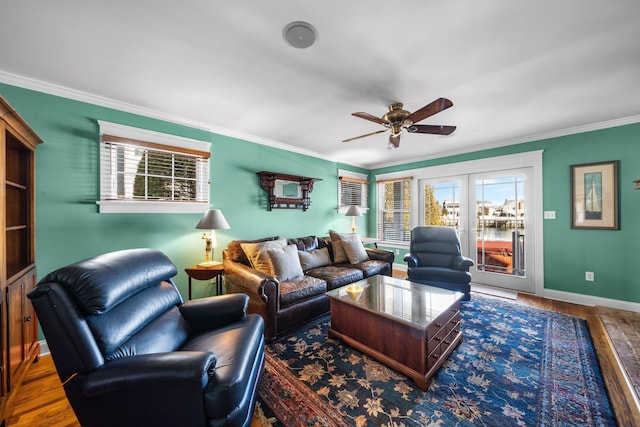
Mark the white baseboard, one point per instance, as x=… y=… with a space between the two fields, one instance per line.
x=591 y=300
x=44 y=348
x=571 y=297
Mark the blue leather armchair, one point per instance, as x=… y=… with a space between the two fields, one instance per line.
x=434 y=259
x=130 y=352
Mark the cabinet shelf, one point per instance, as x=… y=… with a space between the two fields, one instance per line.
x=17 y=227
x=16 y=185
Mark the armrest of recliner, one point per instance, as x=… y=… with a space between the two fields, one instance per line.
x=213 y=312
x=180 y=372
x=461 y=263
x=411 y=260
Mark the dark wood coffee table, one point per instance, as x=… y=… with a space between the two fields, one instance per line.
x=408 y=326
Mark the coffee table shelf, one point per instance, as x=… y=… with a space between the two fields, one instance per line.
x=410 y=327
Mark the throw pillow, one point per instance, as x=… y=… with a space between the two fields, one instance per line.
x=235 y=252
x=258 y=255
x=354 y=248
x=285 y=263
x=315 y=258
x=339 y=255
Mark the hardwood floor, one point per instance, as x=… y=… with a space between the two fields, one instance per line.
x=41 y=400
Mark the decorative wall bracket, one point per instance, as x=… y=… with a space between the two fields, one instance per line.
x=286 y=191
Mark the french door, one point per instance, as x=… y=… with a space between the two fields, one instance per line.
x=490 y=210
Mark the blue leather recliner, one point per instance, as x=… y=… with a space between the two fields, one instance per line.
x=130 y=352
x=435 y=259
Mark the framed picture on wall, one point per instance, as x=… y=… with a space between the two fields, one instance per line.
x=594 y=196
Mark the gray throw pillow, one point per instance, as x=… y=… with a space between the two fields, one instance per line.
x=315 y=258
x=258 y=255
x=339 y=255
x=285 y=263
x=354 y=248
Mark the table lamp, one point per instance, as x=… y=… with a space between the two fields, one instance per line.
x=212 y=220
x=353 y=212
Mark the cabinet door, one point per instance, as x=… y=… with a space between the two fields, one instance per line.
x=4 y=366
x=28 y=314
x=16 y=330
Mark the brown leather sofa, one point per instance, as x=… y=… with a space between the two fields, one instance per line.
x=286 y=304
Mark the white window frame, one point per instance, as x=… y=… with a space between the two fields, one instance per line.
x=380 y=183
x=108 y=203
x=345 y=177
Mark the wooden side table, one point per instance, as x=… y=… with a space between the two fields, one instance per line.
x=206 y=273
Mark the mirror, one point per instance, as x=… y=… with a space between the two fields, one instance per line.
x=287 y=191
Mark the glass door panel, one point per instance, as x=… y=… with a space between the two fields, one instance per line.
x=502 y=253
x=442 y=203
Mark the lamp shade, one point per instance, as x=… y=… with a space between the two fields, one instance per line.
x=213 y=220
x=353 y=210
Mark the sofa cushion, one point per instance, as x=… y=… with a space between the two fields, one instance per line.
x=339 y=254
x=285 y=263
x=336 y=276
x=373 y=267
x=307 y=243
x=300 y=289
x=315 y=258
x=354 y=248
x=235 y=252
x=258 y=255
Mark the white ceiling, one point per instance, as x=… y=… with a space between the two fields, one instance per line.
x=516 y=71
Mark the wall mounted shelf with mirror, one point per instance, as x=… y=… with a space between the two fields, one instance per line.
x=286 y=191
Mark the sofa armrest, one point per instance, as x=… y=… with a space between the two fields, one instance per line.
x=461 y=263
x=411 y=260
x=248 y=280
x=380 y=255
x=210 y=313
x=263 y=291
x=177 y=372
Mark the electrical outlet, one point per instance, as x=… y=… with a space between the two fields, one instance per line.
x=588 y=276
x=397 y=251
x=549 y=214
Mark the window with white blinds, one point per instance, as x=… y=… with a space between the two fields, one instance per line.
x=394 y=210
x=353 y=189
x=166 y=174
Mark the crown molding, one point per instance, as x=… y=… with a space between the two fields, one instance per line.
x=519 y=140
x=77 y=95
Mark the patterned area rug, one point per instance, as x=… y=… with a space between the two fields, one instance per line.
x=516 y=366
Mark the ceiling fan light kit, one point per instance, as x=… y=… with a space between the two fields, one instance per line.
x=299 y=34
x=397 y=119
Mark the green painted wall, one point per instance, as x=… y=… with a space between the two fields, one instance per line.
x=568 y=253
x=69 y=227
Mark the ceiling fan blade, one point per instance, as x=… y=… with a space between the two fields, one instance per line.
x=365 y=135
x=434 y=129
x=370 y=117
x=394 y=141
x=430 y=109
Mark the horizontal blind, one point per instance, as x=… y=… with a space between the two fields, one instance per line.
x=353 y=193
x=394 y=210
x=135 y=170
x=353 y=189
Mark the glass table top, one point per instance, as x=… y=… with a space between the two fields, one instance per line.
x=413 y=303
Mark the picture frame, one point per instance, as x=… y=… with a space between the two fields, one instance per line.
x=594 y=196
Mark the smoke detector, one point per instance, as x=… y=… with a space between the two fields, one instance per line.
x=299 y=34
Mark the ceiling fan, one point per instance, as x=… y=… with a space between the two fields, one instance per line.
x=397 y=119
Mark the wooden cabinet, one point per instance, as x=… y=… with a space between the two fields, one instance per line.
x=18 y=325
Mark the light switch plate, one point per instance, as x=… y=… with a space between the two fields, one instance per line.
x=549 y=214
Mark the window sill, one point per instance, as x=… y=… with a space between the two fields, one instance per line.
x=125 y=206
